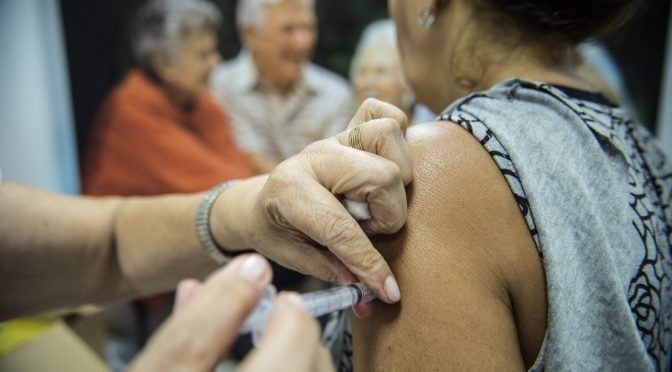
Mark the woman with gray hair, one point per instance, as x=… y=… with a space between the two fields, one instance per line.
x=164 y=30
x=159 y=132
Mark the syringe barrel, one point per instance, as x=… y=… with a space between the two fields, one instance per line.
x=333 y=299
x=258 y=318
x=317 y=304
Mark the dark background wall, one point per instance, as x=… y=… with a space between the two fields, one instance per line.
x=97 y=39
x=639 y=50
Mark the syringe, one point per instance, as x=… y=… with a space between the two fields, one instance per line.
x=316 y=303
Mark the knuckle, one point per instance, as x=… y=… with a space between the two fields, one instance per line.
x=394 y=129
x=370 y=260
x=316 y=147
x=382 y=130
x=370 y=103
x=388 y=173
x=312 y=148
x=393 y=213
x=340 y=230
x=389 y=125
x=388 y=135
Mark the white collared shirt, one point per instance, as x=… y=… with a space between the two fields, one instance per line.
x=319 y=106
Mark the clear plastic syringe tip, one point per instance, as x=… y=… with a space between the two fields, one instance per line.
x=338 y=298
x=316 y=303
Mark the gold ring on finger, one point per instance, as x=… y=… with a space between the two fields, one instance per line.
x=355 y=138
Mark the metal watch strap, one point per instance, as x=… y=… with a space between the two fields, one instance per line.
x=203 y=223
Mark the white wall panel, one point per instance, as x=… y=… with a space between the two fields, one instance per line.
x=37 y=142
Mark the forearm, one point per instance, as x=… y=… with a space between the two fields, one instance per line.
x=156 y=243
x=55 y=250
x=60 y=251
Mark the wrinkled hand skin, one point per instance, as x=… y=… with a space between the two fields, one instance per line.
x=300 y=221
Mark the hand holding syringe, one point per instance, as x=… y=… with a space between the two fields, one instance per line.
x=320 y=302
x=316 y=303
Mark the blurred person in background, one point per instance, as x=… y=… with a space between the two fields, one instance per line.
x=159 y=132
x=278 y=100
x=375 y=72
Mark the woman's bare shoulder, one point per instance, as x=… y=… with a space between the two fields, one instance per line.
x=461 y=261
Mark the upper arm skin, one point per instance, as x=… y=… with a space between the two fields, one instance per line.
x=472 y=283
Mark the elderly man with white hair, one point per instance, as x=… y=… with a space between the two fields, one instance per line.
x=278 y=101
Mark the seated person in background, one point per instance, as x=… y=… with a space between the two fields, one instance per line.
x=159 y=132
x=539 y=223
x=375 y=72
x=279 y=102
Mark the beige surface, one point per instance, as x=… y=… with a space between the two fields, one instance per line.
x=58 y=349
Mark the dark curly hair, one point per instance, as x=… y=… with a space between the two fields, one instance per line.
x=552 y=28
x=569 y=21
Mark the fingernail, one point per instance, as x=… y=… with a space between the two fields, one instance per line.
x=392 y=289
x=294 y=299
x=252 y=268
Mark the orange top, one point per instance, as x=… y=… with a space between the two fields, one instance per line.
x=143 y=144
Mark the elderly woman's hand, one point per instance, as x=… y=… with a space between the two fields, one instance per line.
x=297 y=218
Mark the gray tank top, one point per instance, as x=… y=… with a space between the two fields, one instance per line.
x=595 y=192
